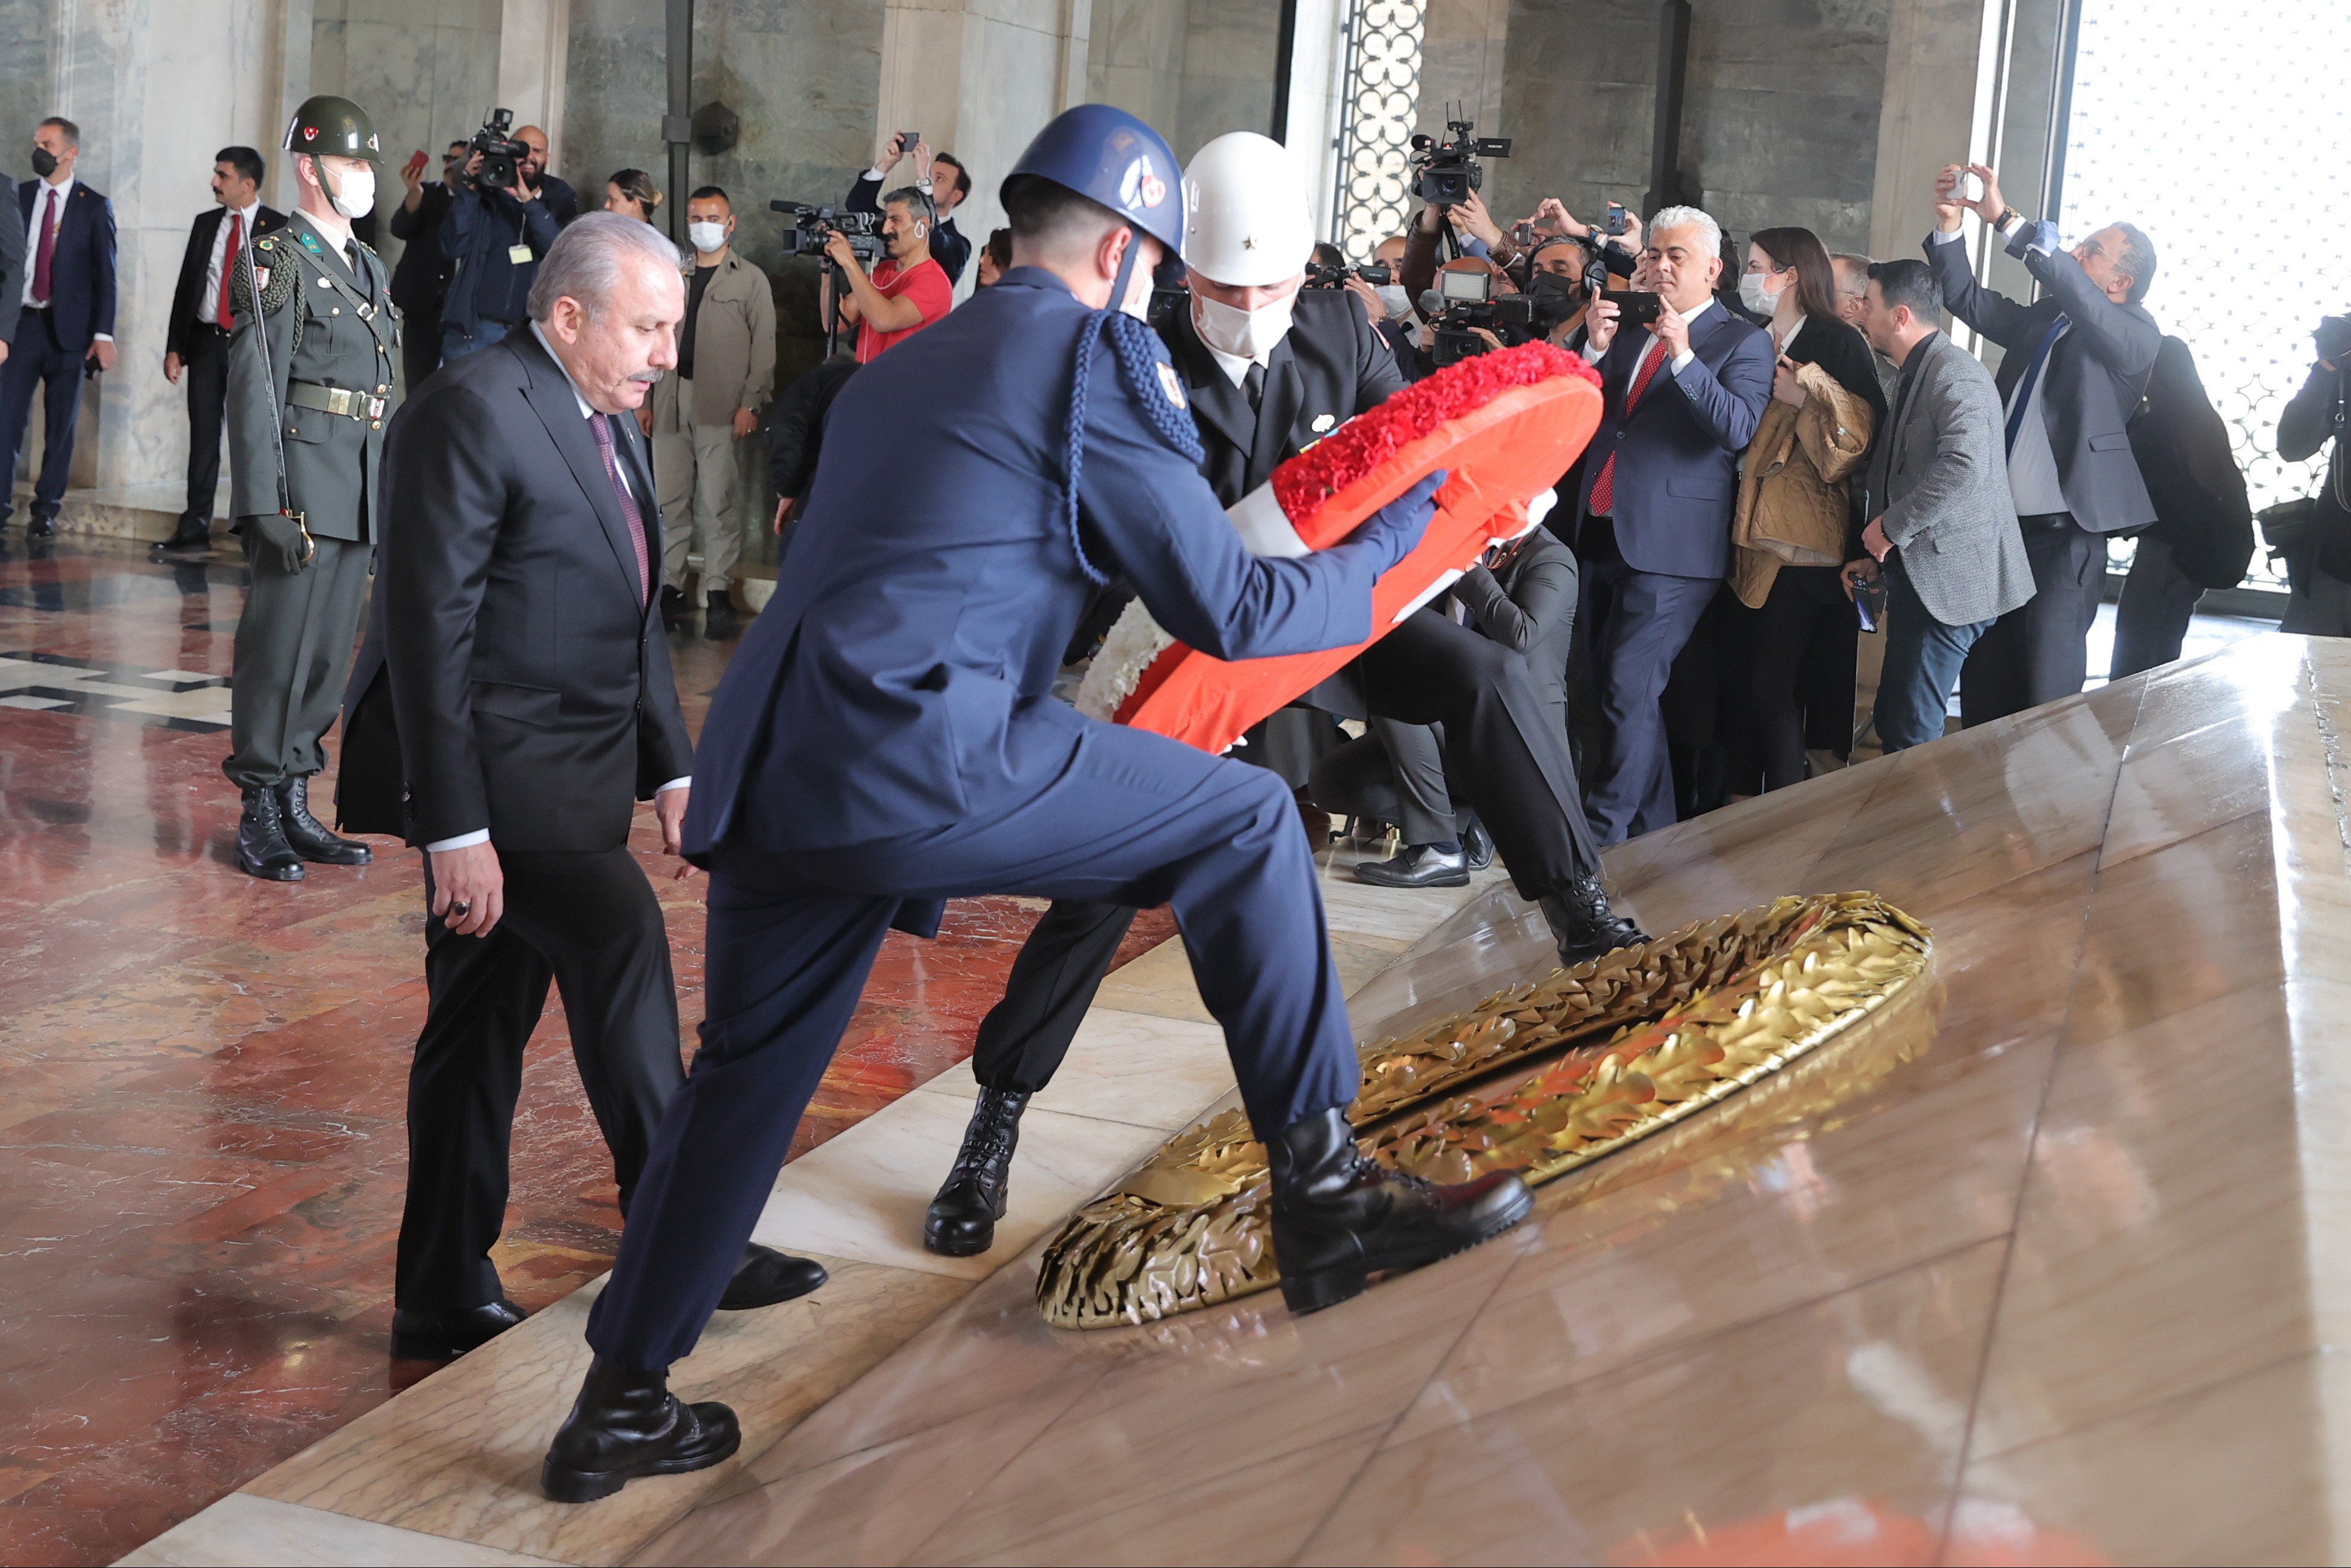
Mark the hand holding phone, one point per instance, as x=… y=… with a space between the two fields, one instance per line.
x=1616 y=217
x=415 y=166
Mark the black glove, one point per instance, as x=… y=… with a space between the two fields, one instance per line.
x=1397 y=527
x=280 y=541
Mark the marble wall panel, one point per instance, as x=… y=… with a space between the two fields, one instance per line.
x=1193 y=69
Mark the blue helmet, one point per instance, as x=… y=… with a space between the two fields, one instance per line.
x=1109 y=156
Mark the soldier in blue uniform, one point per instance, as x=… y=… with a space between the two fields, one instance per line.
x=887 y=739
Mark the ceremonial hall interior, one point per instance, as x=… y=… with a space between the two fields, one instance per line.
x=1939 y=1164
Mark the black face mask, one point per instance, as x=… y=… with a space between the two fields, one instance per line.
x=1563 y=292
x=45 y=162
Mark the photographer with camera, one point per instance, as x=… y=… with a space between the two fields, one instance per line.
x=949 y=248
x=504 y=214
x=2318 y=557
x=908 y=290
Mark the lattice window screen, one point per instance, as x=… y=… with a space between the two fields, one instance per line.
x=2219 y=127
x=1382 y=94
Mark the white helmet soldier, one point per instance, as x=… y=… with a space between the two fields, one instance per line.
x=1249 y=233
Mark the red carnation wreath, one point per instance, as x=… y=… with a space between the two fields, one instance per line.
x=1503 y=425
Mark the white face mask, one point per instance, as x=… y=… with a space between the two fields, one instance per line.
x=1244 y=334
x=1755 y=296
x=1393 y=299
x=706 y=236
x=356 y=196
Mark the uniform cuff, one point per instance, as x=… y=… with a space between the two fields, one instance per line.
x=462 y=841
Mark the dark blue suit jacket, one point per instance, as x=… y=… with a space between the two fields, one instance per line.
x=1677 y=457
x=81 y=271
x=901 y=678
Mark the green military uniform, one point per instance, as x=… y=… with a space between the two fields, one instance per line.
x=310 y=389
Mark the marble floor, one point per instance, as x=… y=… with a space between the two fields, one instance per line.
x=2043 y=1271
x=200 y=1075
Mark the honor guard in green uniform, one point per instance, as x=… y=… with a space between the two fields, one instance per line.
x=310 y=389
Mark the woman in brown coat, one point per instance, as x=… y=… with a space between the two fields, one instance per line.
x=1797 y=521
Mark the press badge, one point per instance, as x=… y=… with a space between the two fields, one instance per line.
x=519 y=255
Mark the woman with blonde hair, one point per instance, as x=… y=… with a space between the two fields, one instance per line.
x=631 y=192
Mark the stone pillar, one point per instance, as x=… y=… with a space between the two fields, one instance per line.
x=980 y=79
x=534 y=40
x=157 y=86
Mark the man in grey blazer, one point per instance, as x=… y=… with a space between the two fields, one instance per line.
x=1942 y=518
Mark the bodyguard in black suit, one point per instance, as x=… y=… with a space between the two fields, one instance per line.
x=518 y=683
x=2078 y=364
x=66 y=320
x=195 y=337
x=11 y=276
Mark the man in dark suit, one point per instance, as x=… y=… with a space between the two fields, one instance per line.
x=530 y=704
x=195 y=338
x=2076 y=366
x=67 y=319
x=420 y=282
x=1268 y=368
x=11 y=276
x=949 y=248
x=1655 y=504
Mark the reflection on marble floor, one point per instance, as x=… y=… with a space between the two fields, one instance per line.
x=200 y=1075
x=2052 y=1278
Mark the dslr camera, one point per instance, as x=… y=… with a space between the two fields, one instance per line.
x=1464 y=300
x=1376 y=273
x=500 y=152
x=813 y=226
x=1444 y=173
x=2334 y=340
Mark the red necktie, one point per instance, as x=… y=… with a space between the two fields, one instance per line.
x=48 y=250
x=629 y=514
x=222 y=312
x=1603 y=489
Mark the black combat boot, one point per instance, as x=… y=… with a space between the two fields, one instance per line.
x=627 y=1423
x=261 y=847
x=308 y=835
x=961 y=1221
x=1583 y=925
x=1339 y=1219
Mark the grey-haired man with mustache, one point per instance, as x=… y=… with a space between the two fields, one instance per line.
x=514 y=704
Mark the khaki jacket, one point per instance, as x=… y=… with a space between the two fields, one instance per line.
x=734 y=351
x=1793 y=493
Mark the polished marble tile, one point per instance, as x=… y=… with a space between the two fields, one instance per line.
x=246 y=1532
x=2176 y=790
x=1160 y=982
x=1127 y=1067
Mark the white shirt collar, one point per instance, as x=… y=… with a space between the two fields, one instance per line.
x=328 y=235
x=63 y=192
x=587 y=410
x=249 y=211
x=1780 y=344
x=1236 y=366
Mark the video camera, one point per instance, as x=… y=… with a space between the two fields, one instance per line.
x=1464 y=301
x=1444 y=173
x=1376 y=273
x=500 y=152
x=813 y=227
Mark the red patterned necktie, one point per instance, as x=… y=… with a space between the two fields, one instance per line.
x=1604 y=488
x=47 y=249
x=222 y=313
x=629 y=514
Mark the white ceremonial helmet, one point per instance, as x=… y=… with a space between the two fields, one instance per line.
x=1247 y=217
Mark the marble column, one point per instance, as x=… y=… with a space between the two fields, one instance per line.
x=156 y=87
x=533 y=44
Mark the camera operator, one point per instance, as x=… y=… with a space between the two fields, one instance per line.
x=908 y=290
x=1268 y=367
x=495 y=235
x=2319 y=569
x=949 y=248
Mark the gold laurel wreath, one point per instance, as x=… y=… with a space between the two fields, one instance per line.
x=1608 y=1053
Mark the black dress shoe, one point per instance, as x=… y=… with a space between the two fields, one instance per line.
x=445 y=1336
x=628 y=1424
x=1339 y=1219
x=674 y=606
x=308 y=835
x=261 y=847
x=1477 y=844
x=961 y=1221
x=192 y=534
x=717 y=614
x=1583 y=925
x=39 y=527
x=767 y=1276
x=1417 y=865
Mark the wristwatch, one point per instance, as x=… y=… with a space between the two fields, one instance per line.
x=2008 y=215
x=924 y=186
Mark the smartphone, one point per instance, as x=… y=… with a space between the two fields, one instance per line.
x=1635 y=306
x=416 y=164
x=906 y=140
x=1523 y=233
x=1970 y=187
x=1869 y=602
x=1616 y=217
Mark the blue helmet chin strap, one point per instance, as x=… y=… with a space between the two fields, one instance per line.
x=1125 y=269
